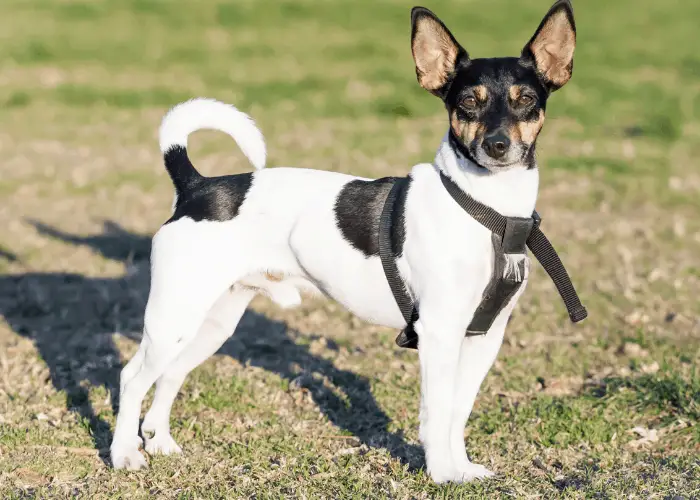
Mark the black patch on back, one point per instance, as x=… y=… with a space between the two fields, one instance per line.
x=358 y=210
x=214 y=199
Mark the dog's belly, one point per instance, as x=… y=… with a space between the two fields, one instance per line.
x=360 y=286
x=341 y=271
x=286 y=241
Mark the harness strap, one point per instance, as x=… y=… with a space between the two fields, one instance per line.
x=398 y=287
x=541 y=248
x=484 y=215
x=537 y=242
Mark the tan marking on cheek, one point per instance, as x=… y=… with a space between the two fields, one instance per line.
x=515 y=132
x=467 y=131
x=528 y=130
x=470 y=132
x=457 y=124
x=473 y=131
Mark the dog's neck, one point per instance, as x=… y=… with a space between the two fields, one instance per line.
x=512 y=193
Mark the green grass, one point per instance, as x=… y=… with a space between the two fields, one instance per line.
x=311 y=402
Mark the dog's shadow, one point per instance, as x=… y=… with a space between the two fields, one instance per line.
x=71 y=318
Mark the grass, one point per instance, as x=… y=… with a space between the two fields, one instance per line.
x=312 y=402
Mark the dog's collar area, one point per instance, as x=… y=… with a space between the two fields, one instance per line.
x=511 y=233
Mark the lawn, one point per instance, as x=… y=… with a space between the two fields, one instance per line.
x=311 y=402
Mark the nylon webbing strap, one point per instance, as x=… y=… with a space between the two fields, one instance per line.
x=398 y=288
x=483 y=214
x=537 y=242
x=545 y=253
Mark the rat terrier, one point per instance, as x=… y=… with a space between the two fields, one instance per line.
x=283 y=231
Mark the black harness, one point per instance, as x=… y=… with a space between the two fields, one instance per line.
x=511 y=236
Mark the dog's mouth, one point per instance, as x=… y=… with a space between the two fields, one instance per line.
x=513 y=157
x=477 y=153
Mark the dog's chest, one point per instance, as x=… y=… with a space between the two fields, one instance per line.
x=445 y=247
x=449 y=253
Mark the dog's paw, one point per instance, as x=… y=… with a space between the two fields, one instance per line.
x=128 y=458
x=442 y=471
x=162 y=444
x=463 y=473
x=469 y=472
x=444 y=476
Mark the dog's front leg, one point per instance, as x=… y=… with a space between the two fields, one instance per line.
x=440 y=338
x=475 y=359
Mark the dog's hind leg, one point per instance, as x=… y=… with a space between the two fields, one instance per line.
x=173 y=316
x=218 y=326
x=475 y=359
x=128 y=373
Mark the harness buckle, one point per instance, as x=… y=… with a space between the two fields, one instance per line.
x=536 y=219
x=516 y=234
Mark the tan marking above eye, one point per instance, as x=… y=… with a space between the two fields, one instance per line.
x=518 y=96
x=481 y=93
x=471 y=102
x=514 y=92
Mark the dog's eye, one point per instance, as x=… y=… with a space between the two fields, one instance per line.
x=469 y=102
x=525 y=100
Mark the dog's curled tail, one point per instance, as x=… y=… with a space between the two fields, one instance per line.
x=202 y=113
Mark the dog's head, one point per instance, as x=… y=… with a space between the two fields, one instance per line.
x=496 y=106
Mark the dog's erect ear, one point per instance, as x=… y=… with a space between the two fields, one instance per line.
x=435 y=50
x=551 y=49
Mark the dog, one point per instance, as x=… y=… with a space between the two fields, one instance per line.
x=284 y=231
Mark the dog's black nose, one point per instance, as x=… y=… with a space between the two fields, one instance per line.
x=496 y=145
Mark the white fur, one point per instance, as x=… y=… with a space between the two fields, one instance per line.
x=512 y=266
x=205 y=273
x=202 y=113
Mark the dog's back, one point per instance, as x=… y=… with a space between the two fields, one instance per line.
x=275 y=228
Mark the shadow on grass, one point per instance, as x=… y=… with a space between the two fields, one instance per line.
x=71 y=319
